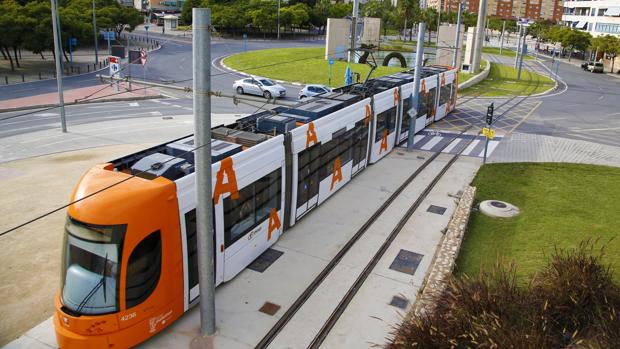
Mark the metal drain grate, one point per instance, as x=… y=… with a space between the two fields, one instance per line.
x=436 y=209
x=266 y=259
x=406 y=262
x=269 y=308
x=399 y=302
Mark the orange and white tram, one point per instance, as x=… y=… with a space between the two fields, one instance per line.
x=129 y=265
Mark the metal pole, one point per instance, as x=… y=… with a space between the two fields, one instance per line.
x=351 y=57
x=479 y=39
x=521 y=54
x=501 y=42
x=278 y=19
x=95 y=33
x=438 y=24
x=202 y=124
x=416 y=83
x=457 y=46
x=57 y=38
x=518 y=46
x=128 y=64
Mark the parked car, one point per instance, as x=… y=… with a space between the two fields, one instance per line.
x=259 y=86
x=313 y=90
x=595 y=67
x=584 y=65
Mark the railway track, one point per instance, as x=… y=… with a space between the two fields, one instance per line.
x=359 y=281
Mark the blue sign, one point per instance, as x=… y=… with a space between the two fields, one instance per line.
x=146 y=27
x=330 y=61
x=109 y=35
x=72 y=41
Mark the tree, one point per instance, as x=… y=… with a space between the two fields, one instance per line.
x=382 y=9
x=13 y=24
x=408 y=12
x=119 y=18
x=574 y=40
x=319 y=13
x=430 y=17
x=186 y=11
x=608 y=45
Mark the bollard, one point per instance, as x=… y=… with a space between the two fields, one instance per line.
x=88 y=68
x=78 y=68
x=23 y=78
x=6 y=79
x=40 y=76
x=71 y=68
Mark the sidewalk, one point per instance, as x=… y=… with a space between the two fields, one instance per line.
x=97 y=93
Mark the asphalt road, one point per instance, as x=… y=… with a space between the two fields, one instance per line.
x=588 y=109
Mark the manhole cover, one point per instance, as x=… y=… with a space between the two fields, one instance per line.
x=265 y=260
x=399 y=302
x=406 y=262
x=498 y=204
x=269 y=308
x=436 y=209
x=495 y=208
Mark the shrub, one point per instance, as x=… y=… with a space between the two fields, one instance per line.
x=571 y=303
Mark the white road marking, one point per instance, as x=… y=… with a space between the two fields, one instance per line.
x=595 y=129
x=433 y=142
x=46 y=114
x=134 y=104
x=491 y=147
x=452 y=145
x=471 y=147
x=417 y=138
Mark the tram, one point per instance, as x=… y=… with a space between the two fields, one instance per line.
x=129 y=265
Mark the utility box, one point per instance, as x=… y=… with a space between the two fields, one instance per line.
x=469 y=49
x=445 y=48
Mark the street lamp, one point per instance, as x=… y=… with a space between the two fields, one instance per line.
x=278 y=19
x=95 y=32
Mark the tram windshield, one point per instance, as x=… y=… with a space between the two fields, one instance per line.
x=90 y=276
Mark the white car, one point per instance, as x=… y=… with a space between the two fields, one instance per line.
x=259 y=86
x=313 y=90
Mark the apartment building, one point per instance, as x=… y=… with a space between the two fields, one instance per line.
x=508 y=9
x=596 y=17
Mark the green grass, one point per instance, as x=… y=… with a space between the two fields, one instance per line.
x=305 y=65
x=502 y=81
x=561 y=205
x=505 y=52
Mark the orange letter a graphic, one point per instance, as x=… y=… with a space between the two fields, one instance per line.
x=384 y=141
x=368 y=115
x=226 y=167
x=274 y=222
x=337 y=174
x=311 y=135
x=396 y=96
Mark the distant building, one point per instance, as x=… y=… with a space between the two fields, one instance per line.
x=595 y=17
x=165 y=5
x=507 y=9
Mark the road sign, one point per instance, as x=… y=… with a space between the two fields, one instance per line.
x=109 y=35
x=72 y=41
x=115 y=64
x=490 y=114
x=146 y=27
x=330 y=61
x=489 y=133
x=143 y=56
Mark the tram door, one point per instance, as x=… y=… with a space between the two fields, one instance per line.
x=360 y=147
x=308 y=180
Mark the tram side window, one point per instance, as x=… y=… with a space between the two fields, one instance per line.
x=385 y=120
x=329 y=151
x=404 y=125
x=445 y=93
x=360 y=142
x=143 y=270
x=453 y=94
x=430 y=99
x=252 y=207
x=309 y=165
x=345 y=144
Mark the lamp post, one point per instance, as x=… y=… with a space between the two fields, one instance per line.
x=278 y=19
x=95 y=32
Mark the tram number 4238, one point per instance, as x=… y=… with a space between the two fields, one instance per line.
x=129 y=316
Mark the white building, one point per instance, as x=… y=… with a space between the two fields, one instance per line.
x=597 y=17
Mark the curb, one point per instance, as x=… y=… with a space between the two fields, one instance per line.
x=476 y=78
x=221 y=62
x=120 y=99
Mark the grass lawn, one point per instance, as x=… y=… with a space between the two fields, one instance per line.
x=505 y=52
x=502 y=81
x=561 y=205
x=305 y=65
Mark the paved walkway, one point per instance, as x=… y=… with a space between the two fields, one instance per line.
x=93 y=93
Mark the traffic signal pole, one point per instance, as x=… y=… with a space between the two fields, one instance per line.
x=57 y=52
x=479 y=39
x=416 y=83
x=204 y=208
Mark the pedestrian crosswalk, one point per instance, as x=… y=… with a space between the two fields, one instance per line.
x=453 y=143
